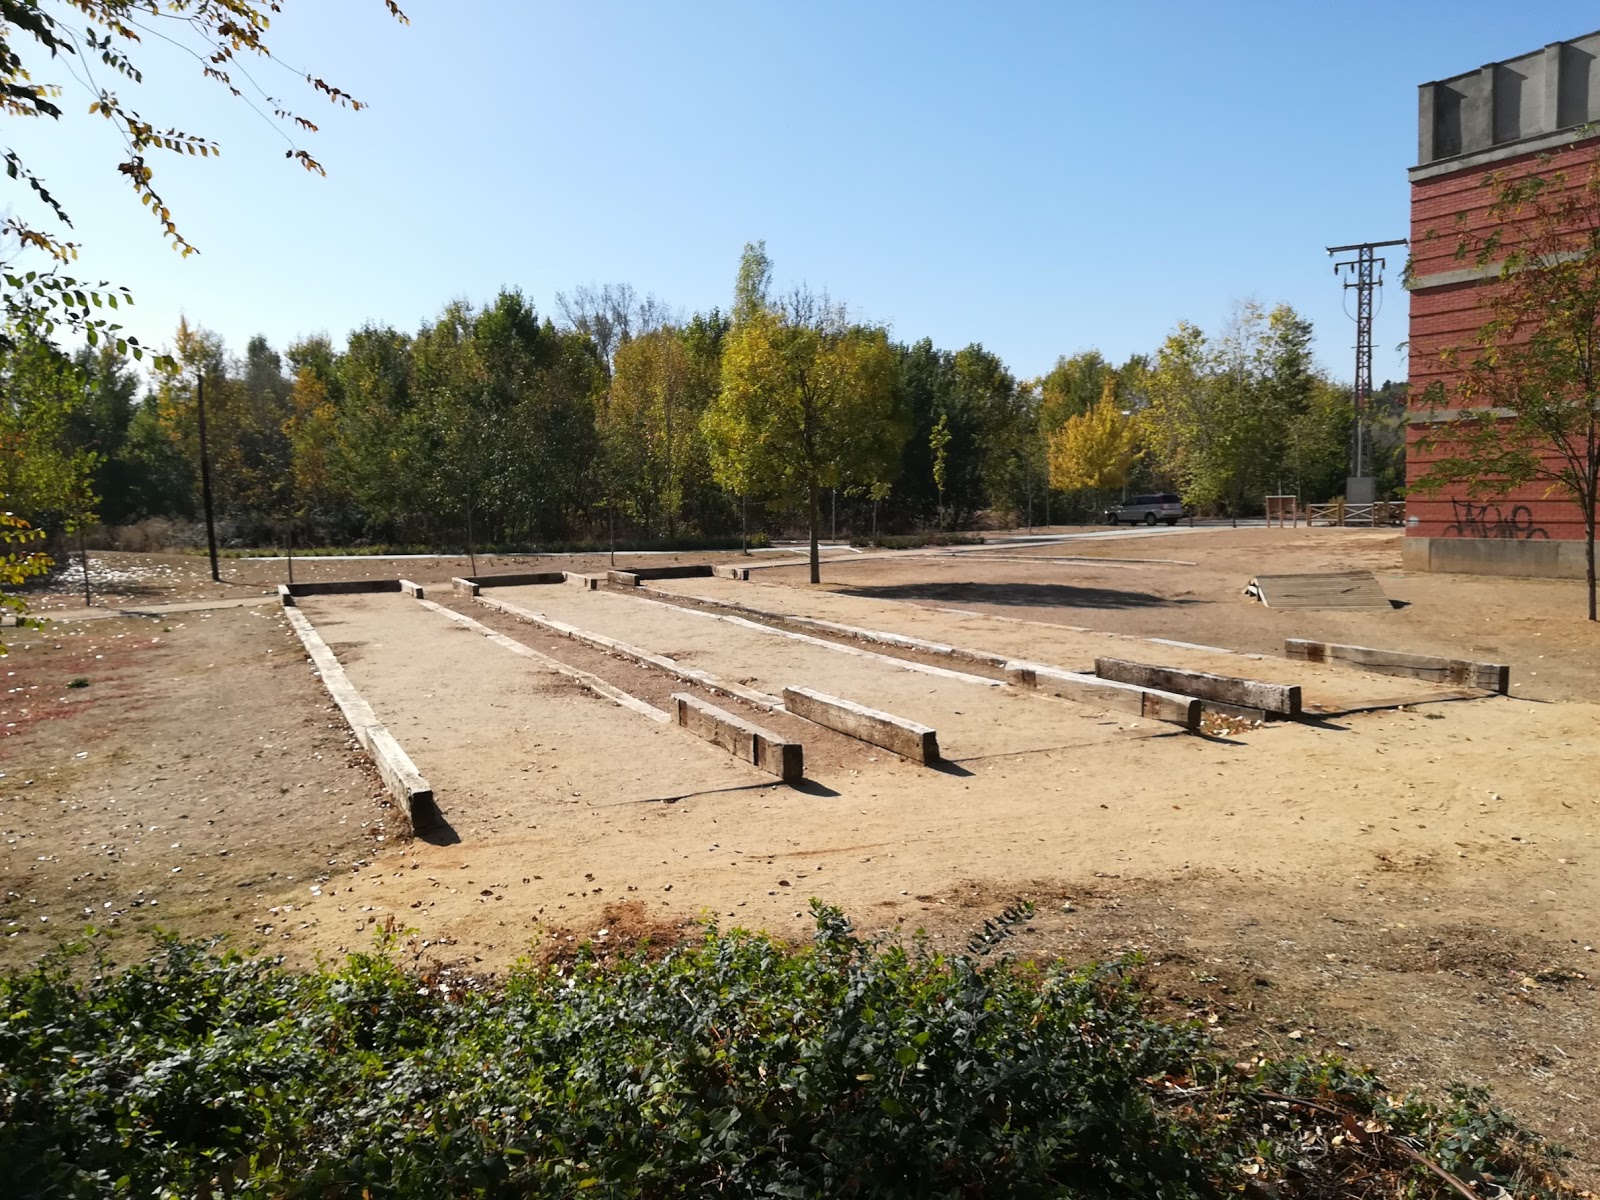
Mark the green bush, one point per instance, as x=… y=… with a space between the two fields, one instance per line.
x=731 y=1066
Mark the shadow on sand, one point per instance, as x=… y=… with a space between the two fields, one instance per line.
x=1019 y=595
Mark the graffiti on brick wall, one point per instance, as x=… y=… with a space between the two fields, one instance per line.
x=1490 y=521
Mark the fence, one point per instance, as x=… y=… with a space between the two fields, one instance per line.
x=1382 y=512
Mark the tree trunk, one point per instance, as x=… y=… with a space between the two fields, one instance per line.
x=88 y=597
x=814 y=508
x=1588 y=554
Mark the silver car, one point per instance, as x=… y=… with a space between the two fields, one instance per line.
x=1147 y=510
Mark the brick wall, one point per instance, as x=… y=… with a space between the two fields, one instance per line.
x=1443 y=208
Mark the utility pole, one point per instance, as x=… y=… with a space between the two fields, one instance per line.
x=1364 y=274
x=205 y=477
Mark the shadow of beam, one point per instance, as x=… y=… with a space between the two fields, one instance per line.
x=1018 y=595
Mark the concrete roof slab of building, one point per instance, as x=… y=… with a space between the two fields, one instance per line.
x=1521 y=105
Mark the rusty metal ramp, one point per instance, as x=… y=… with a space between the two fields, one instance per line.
x=1334 y=589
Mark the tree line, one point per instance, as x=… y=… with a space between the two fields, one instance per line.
x=495 y=425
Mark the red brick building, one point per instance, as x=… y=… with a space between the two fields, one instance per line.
x=1526 y=115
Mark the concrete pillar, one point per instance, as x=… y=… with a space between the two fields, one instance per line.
x=1549 y=117
x=1477 y=112
x=1425 y=125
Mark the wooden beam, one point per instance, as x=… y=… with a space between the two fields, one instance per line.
x=745 y=741
x=519 y=578
x=342 y=587
x=1106 y=693
x=1490 y=677
x=908 y=739
x=1281 y=698
x=681 y=571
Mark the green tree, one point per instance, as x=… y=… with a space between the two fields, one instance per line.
x=382 y=455
x=808 y=400
x=311 y=429
x=651 y=426
x=1015 y=452
x=1524 y=408
x=46 y=470
x=1219 y=414
x=1316 y=453
x=967 y=393
x=939 y=445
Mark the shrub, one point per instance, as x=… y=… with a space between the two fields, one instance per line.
x=733 y=1066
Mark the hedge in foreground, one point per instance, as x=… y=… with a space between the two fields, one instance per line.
x=733 y=1066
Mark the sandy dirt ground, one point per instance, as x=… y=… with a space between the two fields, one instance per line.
x=974 y=716
x=1414 y=888
x=1537 y=625
x=1327 y=688
x=198 y=779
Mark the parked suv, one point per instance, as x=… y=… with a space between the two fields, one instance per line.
x=1149 y=509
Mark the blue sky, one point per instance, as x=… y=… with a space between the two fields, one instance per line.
x=1042 y=178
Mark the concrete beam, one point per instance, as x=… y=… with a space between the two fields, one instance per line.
x=745 y=741
x=464 y=586
x=588 y=583
x=414 y=590
x=1231 y=690
x=731 y=572
x=285 y=596
x=622 y=578
x=1107 y=693
x=400 y=775
x=908 y=739
x=1489 y=677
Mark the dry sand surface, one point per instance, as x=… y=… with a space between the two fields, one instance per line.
x=1329 y=689
x=1417 y=888
x=1535 y=624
